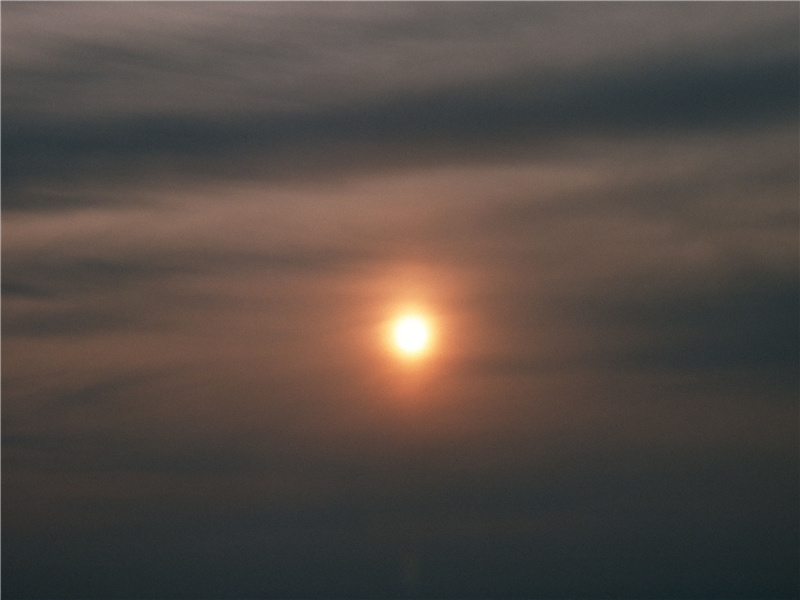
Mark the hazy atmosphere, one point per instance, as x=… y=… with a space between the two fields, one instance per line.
x=212 y=213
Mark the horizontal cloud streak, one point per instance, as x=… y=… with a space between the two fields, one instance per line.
x=671 y=97
x=233 y=58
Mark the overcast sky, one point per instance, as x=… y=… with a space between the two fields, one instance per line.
x=210 y=211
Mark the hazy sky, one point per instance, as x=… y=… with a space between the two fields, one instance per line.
x=211 y=210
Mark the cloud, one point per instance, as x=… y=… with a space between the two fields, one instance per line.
x=293 y=58
x=516 y=111
x=461 y=102
x=210 y=211
x=740 y=324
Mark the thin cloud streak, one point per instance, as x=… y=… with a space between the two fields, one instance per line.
x=509 y=112
x=229 y=58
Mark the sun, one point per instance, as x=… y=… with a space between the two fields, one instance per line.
x=411 y=335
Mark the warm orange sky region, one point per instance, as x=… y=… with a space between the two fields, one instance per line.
x=215 y=217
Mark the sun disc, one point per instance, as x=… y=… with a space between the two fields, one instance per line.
x=411 y=335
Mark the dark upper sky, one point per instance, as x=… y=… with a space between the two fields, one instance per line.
x=210 y=211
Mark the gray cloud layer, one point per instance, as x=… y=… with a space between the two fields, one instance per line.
x=548 y=72
x=265 y=58
x=209 y=208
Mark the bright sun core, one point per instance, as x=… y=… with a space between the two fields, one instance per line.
x=411 y=335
